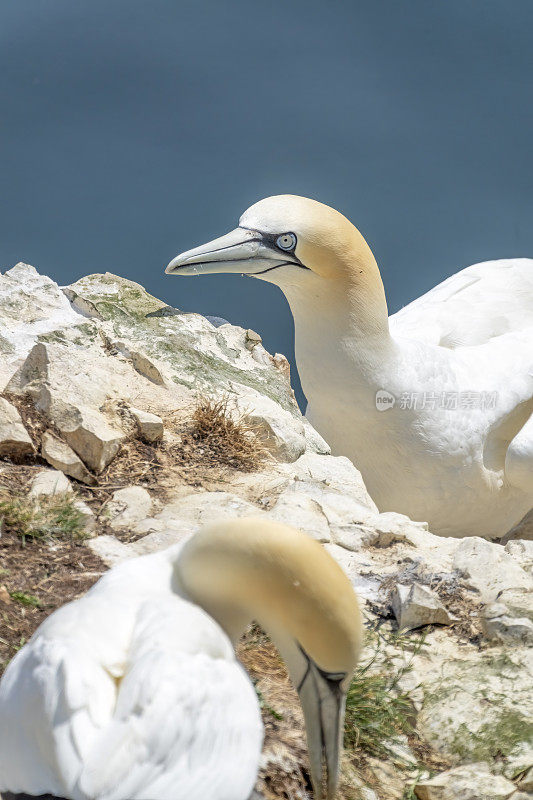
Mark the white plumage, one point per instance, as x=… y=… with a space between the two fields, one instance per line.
x=130 y=692
x=471 y=307
x=452 y=442
x=133 y=692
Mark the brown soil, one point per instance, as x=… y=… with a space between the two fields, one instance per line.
x=52 y=573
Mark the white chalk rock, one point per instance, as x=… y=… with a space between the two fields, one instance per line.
x=110 y=549
x=468 y=782
x=63 y=458
x=297 y=509
x=150 y=426
x=49 y=482
x=30 y=305
x=14 y=438
x=522 y=551
x=128 y=506
x=415 y=606
x=187 y=514
x=489 y=568
x=281 y=432
x=336 y=473
x=87 y=514
x=500 y=624
x=89 y=434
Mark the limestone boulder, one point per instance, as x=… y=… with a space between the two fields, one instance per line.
x=31 y=305
x=489 y=568
x=150 y=426
x=62 y=457
x=185 y=349
x=88 y=517
x=49 y=482
x=522 y=551
x=127 y=507
x=89 y=434
x=280 y=431
x=186 y=514
x=15 y=440
x=415 y=606
x=470 y=782
x=110 y=549
x=294 y=507
x=500 y=623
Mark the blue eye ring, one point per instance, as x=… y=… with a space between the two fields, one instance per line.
x=286 y=241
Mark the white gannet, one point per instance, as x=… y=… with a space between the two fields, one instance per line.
x=133 y=692
x=454 y=369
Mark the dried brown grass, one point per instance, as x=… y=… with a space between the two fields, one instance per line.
x=285 y=771
x=218 y=437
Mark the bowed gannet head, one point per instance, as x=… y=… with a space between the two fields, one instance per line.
x=251 y=569
x=297 y=243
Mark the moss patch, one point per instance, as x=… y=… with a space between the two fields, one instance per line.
x=492 y=740
x=137 y=316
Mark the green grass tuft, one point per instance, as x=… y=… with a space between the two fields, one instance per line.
x=378 y=713
x=53 y=517
x=26 y=599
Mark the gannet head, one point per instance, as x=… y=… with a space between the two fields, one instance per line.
x=251 y=569
x=286 y=240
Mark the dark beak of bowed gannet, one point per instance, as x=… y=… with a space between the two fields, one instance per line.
x=243 y=251
x=323 y=702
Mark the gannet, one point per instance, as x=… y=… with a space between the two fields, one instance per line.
x=434 y=404
x=133 y=692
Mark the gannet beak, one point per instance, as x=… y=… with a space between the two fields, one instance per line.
x=323 y=702
x=246 y=251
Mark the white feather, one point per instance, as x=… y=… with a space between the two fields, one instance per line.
x=129 y=693
x=472 y=306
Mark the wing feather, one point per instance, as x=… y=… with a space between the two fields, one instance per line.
x=186 y=725
x=471 y=307
x=130 y=692
x=519 y=459
x=50 y=695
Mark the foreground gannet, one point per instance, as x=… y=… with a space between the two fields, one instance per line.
x=433 y=405
x=134 y=692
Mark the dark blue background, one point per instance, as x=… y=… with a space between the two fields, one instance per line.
x=134 y=129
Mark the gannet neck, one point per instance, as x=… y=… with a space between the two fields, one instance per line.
x=355 y=289
x=250 y=569
x=347 y=309
x=340 y=267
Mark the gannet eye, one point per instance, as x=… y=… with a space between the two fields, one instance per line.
x=287 y=241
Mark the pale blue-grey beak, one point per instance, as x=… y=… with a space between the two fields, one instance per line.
x=241 y=250
x=323 y=702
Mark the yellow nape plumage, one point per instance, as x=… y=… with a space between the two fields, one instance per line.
x=134 y=690
x=453 y=443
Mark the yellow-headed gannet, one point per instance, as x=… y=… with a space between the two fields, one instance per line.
x=133 y=692
x=434 y=404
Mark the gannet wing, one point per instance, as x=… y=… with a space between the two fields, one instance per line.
x=186 y=724
x=54 y=698
x=471 y=307
x=519 y=459
x=106 y=704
